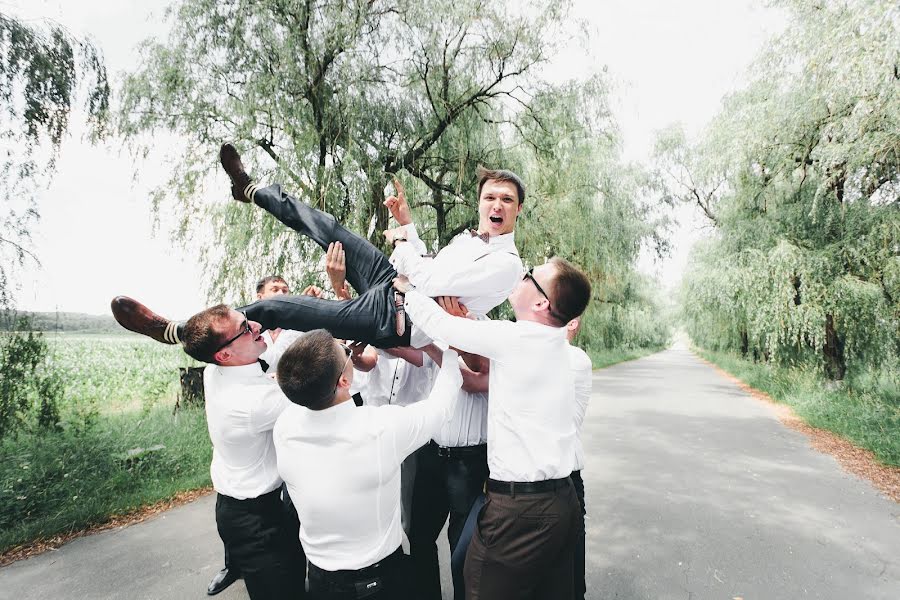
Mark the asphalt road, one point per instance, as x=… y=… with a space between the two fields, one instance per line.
x=694 y=491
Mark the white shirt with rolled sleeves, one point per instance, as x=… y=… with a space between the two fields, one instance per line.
x=242 y=405
x=582 y=374
x=342 y=469
x=531 y=416
x=481 y=274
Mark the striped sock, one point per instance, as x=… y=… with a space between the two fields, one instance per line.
x=171 y=333
x=250 y=191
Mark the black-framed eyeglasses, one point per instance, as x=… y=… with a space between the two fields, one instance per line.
x=245 y=328
x=349 y=353
x=529 y=274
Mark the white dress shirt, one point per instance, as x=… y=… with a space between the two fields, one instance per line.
x=275 y=348
x=242 y=405
x=531 y=415
x=342 y=468
x=481 y=274
x=395 y=381
x=468 y=423
x=583 y=379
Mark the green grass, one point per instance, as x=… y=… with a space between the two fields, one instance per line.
x=119 y=395
x=607 y=357
x=864 y=409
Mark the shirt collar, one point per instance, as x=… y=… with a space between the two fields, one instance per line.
x=332 y=412
x=251 y=370
x=507 y=240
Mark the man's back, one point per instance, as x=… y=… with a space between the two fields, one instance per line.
x=342 y=469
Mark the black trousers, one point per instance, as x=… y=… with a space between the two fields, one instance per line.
x=370 y=317
x=578 y=562
x=447 y=482
x=388 y=579
x=522 y=547
x=261 y=541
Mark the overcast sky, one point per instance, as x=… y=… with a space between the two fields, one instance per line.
x=671 y=62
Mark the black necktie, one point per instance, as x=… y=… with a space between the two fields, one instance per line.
x=263 y=364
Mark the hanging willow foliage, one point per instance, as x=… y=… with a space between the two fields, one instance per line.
x=800 y=174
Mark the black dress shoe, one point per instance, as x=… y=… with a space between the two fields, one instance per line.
x=136 y=317
x=231 y=162
x=222 y=580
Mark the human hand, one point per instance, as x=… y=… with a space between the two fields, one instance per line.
x=392 y=235
x=402 y=284
x=312 y=290
x=356 y=349
x=398 y=206
x=452 y=306
x=336 y=268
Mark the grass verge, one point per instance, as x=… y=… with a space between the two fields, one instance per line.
x=57 y=482
x=864 y=409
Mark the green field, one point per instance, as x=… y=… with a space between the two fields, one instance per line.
x=120 y=391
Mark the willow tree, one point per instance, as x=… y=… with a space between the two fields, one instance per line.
x=332 y=98
x=800 y=175
x=43 y=72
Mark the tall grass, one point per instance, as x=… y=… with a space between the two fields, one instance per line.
x=864 y=409
x=119 y=396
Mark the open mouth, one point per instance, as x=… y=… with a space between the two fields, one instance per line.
x=496 y=220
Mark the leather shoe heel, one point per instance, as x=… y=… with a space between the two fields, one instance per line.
x=231 y=162
x=134 y=316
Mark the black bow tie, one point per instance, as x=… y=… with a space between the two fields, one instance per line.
x=484 y=237
x=263 y=364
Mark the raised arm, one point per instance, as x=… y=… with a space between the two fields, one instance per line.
x=413 y=425
x=473 y=381
x=487 y=338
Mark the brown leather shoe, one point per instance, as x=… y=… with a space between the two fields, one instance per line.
x=134 y=316
x=231 y=162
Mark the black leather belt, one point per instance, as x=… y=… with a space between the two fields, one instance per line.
x=512 y=488
x=458 y=451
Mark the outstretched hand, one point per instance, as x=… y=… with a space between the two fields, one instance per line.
x=398 y=206
x=336 y=268
x=312 y=290
x=452 y=306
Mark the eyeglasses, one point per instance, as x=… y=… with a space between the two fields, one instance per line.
x=529 y=274
x=245 y=328
x=349 y=353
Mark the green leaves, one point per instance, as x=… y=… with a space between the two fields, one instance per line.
x=808 y=232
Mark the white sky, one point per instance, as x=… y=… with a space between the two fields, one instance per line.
x=671 y=61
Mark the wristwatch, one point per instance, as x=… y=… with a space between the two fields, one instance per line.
x=398 y=239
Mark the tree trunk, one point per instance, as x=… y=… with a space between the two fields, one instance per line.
x=440 y=223
x=192 y=392
x=835 y=366
x=745 y=343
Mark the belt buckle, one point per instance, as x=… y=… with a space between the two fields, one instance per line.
x=443 y=452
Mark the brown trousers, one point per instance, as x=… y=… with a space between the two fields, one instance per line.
x=523 y=547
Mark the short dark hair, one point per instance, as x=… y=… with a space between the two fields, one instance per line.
x=201 y=336
x=309 y=369
x=261 y=284
x=570 y=290
x=485 y=175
